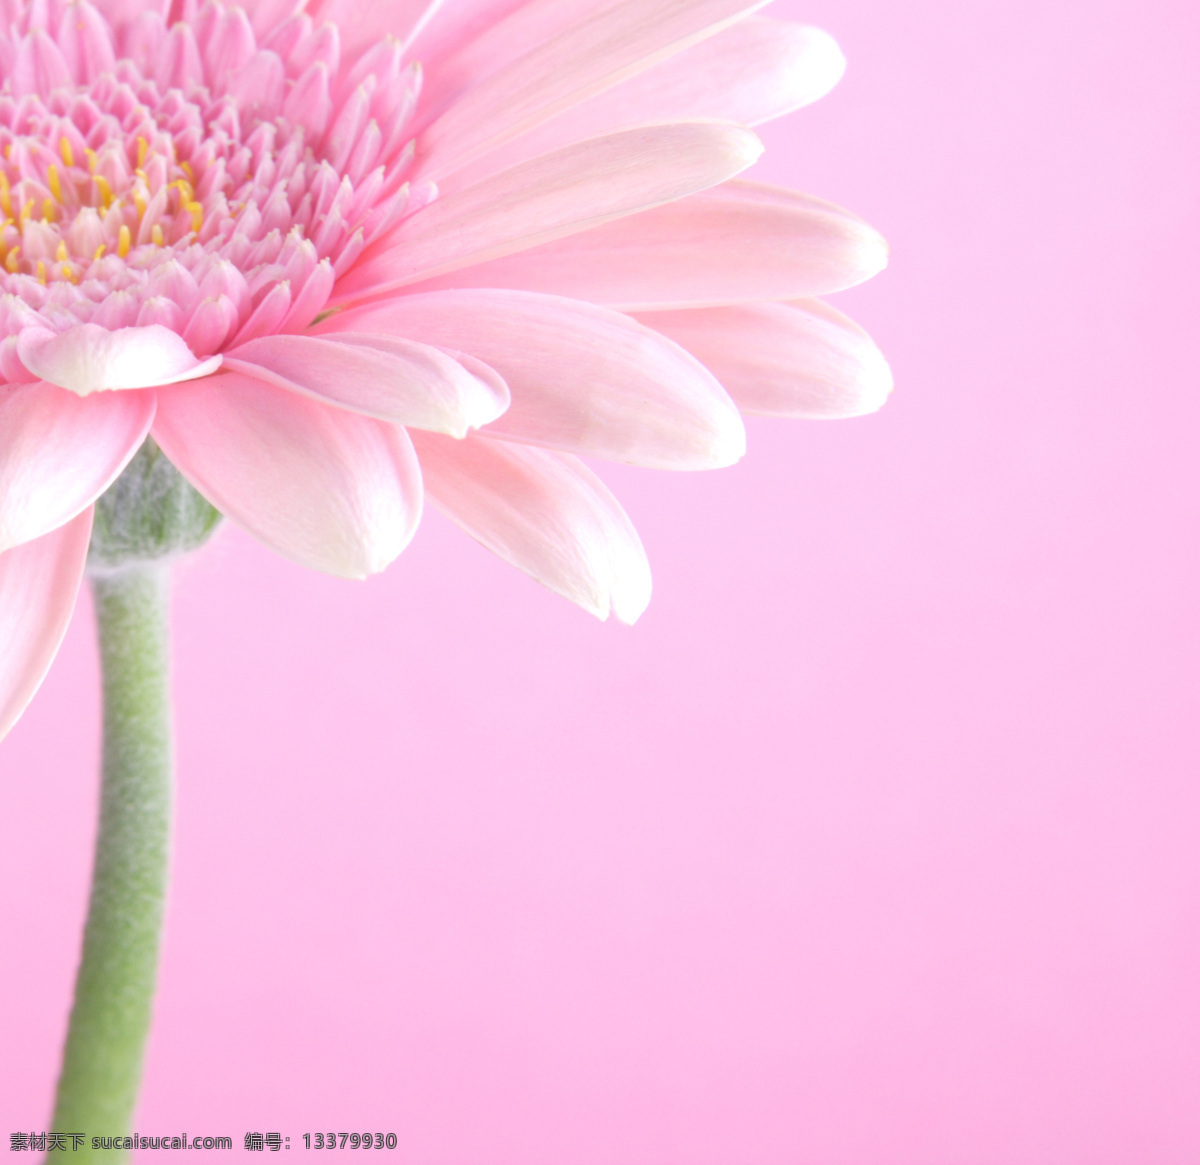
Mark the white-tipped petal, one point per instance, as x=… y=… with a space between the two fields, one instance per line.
x=545 y=513
x=582 y=378
x=382 y=376
x=325 y=487
x=752 y=72
x=802 y=359
x=88 y=358
x=737 y=243
x=589 y=56
x=570 y=190
x=38 y=584
x=60 y=452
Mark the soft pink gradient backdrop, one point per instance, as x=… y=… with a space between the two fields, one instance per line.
x=876 y=841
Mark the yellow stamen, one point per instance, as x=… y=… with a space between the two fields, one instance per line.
x=91 y=159
x=26 y=213
x=106 y=194
x=68 y=154
x=68 y=273
x=8 y=151
x=52 y=179
x=140 y=203
x=41 y=273
x=186 y=193
x=187 y=169
x=197 y=213
x=61 y=254
x=143 y=150
x=100 y=252
x=5 y=196
x=124 y=242
x=156 y=235
x=48 y=210
x=14 y=257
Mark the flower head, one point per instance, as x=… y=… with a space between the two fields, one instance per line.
x=335 y=256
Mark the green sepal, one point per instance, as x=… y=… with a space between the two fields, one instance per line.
x=150 y=513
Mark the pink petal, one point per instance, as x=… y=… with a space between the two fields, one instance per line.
x=545 y=513
x=587 y=57
x=308 y=103
x=380 y=376
x=230 y=48
x=784 y=360
x=86 y=42
x=309 y=297
x=552 y=196
x=119 y=12
x=322 y=486
x=266 y=319
x=449 y=43
x=364 y=22
x=755 y=70
x=260 y=85
x=582 y=378
x=424 y=12
x=266 y=14
x=88 y=358
x=741 y=242
x=38 y=584
x=179 y=65
x=59 y=452
x=213 y=322
x=39 y=67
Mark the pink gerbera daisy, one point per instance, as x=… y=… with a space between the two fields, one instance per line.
x=334 y=257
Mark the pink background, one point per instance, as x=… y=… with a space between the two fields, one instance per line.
x=876 y=840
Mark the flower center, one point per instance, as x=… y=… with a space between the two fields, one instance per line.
x=191 y=177
x=67 y=204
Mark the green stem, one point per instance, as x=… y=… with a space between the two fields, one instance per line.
x=114 y=990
